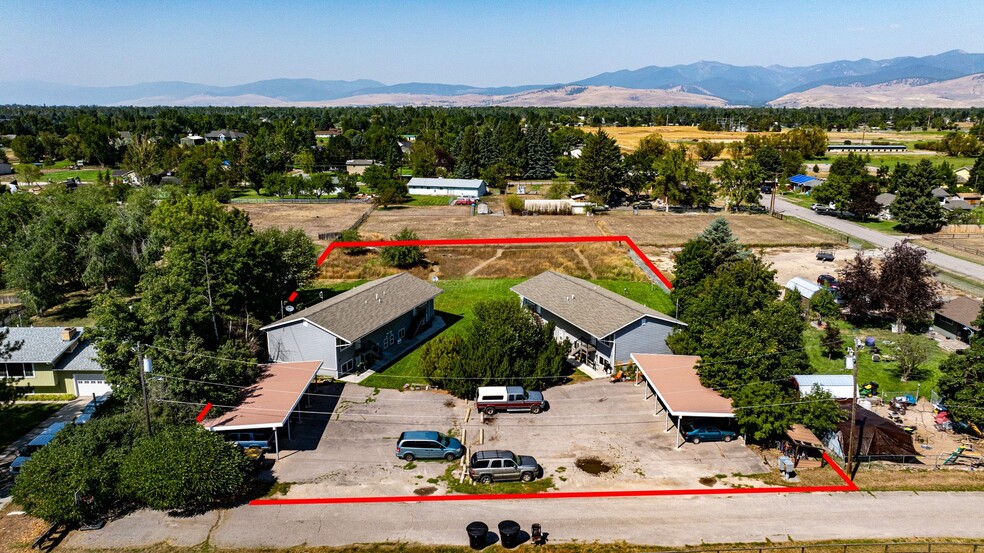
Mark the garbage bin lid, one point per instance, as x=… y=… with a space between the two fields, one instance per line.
x=509 y=526
x=477 y=528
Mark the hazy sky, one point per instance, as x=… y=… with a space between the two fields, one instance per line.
x=482 y=43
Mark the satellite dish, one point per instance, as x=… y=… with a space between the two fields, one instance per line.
x=289 y=309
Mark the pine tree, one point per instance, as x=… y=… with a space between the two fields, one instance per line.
x=915 y=207
x=488 y=148
x=467 y=165
x=976 y=180
x=539 y=153
x=724 y=244
x=600 y=172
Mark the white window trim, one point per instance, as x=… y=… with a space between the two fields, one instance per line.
x=26 y=366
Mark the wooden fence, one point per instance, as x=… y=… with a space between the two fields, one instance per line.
x=332 y=236
x=297 y=201
x=949 y=240
x=962 y=229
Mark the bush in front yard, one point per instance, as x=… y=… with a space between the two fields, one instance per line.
x=184 y=468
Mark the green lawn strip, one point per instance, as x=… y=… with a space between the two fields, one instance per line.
x=885 y=227
x=20 y=418
x=882 y=372
x=73 y=312
x=892 y=160
x=86 y=175
x=423 y=201
x=454 y=484
x=460 y=295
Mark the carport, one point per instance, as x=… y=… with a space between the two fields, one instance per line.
x=268 y=404
x=673 y=380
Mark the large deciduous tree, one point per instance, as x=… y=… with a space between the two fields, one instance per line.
x=403 y=256
x=741 y=180
x=859 y=287
x=914 y=292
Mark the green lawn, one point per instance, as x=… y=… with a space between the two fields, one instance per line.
x=892 y=160
x=455 y=307
x=22 y=417
x=88 y=175
x=882 y=372
x=887 y=227
x=429 y=200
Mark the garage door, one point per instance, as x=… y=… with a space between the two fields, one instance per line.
x=86 y=386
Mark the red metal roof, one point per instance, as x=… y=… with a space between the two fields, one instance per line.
x=270 y=401
x=674 y=379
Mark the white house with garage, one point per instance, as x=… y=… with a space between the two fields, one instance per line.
x=54 y=360
x=467 y=188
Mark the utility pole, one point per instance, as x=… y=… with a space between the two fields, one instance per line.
x=854 y=406
x=143 y=385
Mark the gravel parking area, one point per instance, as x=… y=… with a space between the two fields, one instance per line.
x=604 y=424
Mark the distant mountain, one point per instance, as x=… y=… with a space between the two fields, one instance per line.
x=910 y=92
x=736 y=85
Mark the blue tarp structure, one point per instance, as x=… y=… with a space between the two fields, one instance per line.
x=801 y=179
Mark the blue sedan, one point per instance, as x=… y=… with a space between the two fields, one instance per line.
x=707 y=433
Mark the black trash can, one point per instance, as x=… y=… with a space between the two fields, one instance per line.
x=509 y=533
x=478 y=534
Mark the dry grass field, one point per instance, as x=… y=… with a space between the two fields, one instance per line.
x=311 y=218
x=648 y=228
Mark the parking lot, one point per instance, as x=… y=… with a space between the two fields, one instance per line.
x=600 y=424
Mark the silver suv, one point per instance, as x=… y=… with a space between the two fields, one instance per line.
x=501 y=465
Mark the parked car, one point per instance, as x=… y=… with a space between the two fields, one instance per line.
x=766 y=189
x=825 y=255
x=464 y=201
x=823 y=207
x=706 y=433
x=251 y=438
x=643 y=205
x=502 y=465
x=827 y=281
x=427 y=444
x=39 y=441
x=508 y=398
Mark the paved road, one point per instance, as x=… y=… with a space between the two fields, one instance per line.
x=667 y=521
x=941 y=260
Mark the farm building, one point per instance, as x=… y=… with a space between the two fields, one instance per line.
x=468 y=188
x=841 y=386
x=361 y=329
x=673 y=379
x=54 y=360
x=358 y=166
x=603 y=327
x=866 y=148
x=955 y=319
x=558 y=207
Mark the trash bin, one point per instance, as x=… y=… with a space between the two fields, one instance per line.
x=509 y=533
x=478 y=534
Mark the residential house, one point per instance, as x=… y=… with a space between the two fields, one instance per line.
x=358 y=166
x=327 y=134
x=123 y=138
x=963 y=174
x=353 y=331
x=224 y=135
x=841 y=386
x=54 y=360
x=885 y=200
x=955 y=319
x=954 y=203
x=125 y=176
x=604 y=328
x=192 y=140
x=972 y=198
x=468 y=188
x=803 y=183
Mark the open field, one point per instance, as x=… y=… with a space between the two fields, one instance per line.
x=648 y=228
x=311 y=218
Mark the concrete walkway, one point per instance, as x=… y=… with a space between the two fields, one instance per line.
x=882 y=240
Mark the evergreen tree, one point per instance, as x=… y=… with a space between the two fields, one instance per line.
x=832 y=342
x=467 y=159
x=539 y=153
x=915 y=207
x=600 y=172
x=723 y=243
x=488 y=148
x=976 y=179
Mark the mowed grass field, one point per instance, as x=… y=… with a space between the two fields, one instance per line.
x=456 y=307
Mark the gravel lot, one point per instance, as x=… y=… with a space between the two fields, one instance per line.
x=353 y=453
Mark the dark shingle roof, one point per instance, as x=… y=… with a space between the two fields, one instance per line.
x=962 y=310
x=586 y=306
x=40 y=344
x=885 y=199
x=361 y=310
x=956 y=203
x=82 y=359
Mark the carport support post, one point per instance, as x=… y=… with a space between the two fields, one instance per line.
x=276 y=441
x=679 y=419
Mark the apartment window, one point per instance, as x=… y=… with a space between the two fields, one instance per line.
x=17 y=370
x=347 y=366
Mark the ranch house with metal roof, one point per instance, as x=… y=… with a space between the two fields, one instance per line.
x=361 y=329
x=468 y=188
x=603 y=327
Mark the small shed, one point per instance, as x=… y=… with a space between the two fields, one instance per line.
x=805 y=287
x=841 y=386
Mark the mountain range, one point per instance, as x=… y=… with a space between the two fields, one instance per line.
x=705 y=83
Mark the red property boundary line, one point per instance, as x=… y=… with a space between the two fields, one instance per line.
x=848 y=486
x=497 y=242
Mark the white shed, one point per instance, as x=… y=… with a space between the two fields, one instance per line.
x=468 y=188
x=805 y=287
x=841 y=386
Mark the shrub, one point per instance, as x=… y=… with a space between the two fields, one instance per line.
x=184 y=468
x=403 y=256
x=515 y=203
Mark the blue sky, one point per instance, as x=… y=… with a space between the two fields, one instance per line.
x=490 y=43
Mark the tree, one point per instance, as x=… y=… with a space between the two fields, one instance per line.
x=467 y=165
x=505 y=346
x=762 y=410
x=741 y=180
x=600 y=172
x=403 y=256
x=723 y=243
x=824 y=305
x=976 y=178
x=859 y=287
x=142 y=157
x=673 y=170
x=910 y=353
x=961 y=144
x=539 y=153
x=9 y=391
x=819 y=412
x=27 y=148
x=914 y=292
x=497 y=175
x=915 y=207
x=832 y=343
x=28 y=173
x=703 y=190
x=707 y=150
x=184 y=468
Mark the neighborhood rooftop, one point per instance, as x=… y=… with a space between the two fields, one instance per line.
x=269 y=402
x=961 y=309
x=429 y=182
x=361 y=310
x=41 y=344
x=587 y=306
x=674 y=379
